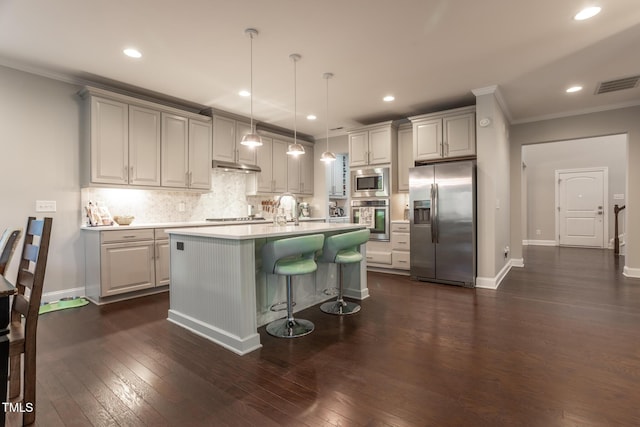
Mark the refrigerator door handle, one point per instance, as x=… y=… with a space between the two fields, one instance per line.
x=435 y=214
x=432 y=213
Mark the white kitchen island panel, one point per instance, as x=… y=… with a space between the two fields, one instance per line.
x=218 y=289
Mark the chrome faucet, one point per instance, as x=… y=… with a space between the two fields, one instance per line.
x=294 y=211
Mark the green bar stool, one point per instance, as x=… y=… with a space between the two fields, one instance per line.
x=291 y=257
x=343 y=249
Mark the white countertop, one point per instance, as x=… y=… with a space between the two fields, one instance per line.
x=253 y=231
x=187 y=224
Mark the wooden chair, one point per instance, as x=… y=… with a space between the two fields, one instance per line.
x=22 y=334
x=9 y=241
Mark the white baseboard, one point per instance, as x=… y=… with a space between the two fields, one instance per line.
x=631 y=272
x=539 y=243
x=494 y=282
x=517 y=262
x=67 y=293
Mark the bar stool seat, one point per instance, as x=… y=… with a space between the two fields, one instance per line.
x=291 y=257
x=343 y=249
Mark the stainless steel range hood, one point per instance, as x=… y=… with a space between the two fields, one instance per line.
x=235 y=167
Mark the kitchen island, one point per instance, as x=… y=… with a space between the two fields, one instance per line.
x=219 y=291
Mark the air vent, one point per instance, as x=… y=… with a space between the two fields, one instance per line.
x=619 y=84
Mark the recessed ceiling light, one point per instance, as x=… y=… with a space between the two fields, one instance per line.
x=586 y=13
x=388 y=98
x=574 y=89
x=132 y=53
x=244 y=93
x=311 y=117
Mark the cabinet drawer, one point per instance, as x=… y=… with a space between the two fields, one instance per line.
x=401 y=260
x=402 y=227
x=126 y=235
x=374 y=257
x=400 y=241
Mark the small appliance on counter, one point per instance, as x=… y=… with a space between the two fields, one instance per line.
x=304 y=210
x=334 y=210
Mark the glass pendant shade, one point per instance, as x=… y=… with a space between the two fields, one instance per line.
x=252 y=139
x=295 y=149
x=328 y=156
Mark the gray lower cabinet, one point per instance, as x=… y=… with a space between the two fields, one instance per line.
x=124 y=263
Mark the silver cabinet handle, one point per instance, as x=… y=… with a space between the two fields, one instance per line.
x=125 y=172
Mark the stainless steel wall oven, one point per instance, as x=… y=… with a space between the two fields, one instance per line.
x=374 y=213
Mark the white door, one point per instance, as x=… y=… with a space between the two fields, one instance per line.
x=581 y=207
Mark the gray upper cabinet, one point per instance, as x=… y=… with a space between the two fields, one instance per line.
x=199 y=154
x=109 y=141
x=227 y=135
x=300 y=172
x=175 y=151
x=444 y=134
x=144 y=146
x=133 y=142
x=372 y=145
x=405 y=156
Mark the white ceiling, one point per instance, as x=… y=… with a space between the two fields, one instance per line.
x=430 y=54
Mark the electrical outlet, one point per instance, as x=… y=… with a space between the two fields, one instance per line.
x=181 y=207
x=506 y=252
x=45 y=205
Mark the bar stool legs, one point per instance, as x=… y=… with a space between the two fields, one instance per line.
x=290 y=327
x=340 y=306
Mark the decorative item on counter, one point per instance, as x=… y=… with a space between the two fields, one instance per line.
x=123 y=219
x=98 y=215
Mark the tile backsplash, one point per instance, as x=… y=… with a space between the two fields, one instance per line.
x=227 y=199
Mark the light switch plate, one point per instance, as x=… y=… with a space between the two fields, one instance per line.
x=45 y=205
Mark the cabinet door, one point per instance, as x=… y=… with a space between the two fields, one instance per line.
x=358 y=148
x=199 y=154
x=427 y=140
x=224 y=139
x=264 y=159
x=379 y=146
x=405 y=157
x=306 y=171
x=109 y=141
x=459 y=138
x=126 y=267
x=244 y=153
x=293 y=173
x=162 y=262
x=339 y=177
x=175 y=150
x=279 y=166
x=144 y=146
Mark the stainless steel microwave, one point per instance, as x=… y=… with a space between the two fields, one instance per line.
x=370 y=182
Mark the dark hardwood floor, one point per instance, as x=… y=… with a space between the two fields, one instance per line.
x=558 y=344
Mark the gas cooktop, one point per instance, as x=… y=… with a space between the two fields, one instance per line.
x=244 y=218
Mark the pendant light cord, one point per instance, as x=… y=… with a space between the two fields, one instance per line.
x=251 y=81
x=295 y=97
x=327 y=113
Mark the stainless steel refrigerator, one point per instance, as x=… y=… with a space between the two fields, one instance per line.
x=442 y=200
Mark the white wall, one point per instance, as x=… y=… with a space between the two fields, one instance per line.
x=40 y=147
x=493 y=191
x=543 y=160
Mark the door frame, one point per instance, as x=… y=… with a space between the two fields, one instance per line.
x=605 y=201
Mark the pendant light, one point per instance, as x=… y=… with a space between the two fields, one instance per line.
x=327 y=156
x=295 y=149
x=252 y=139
